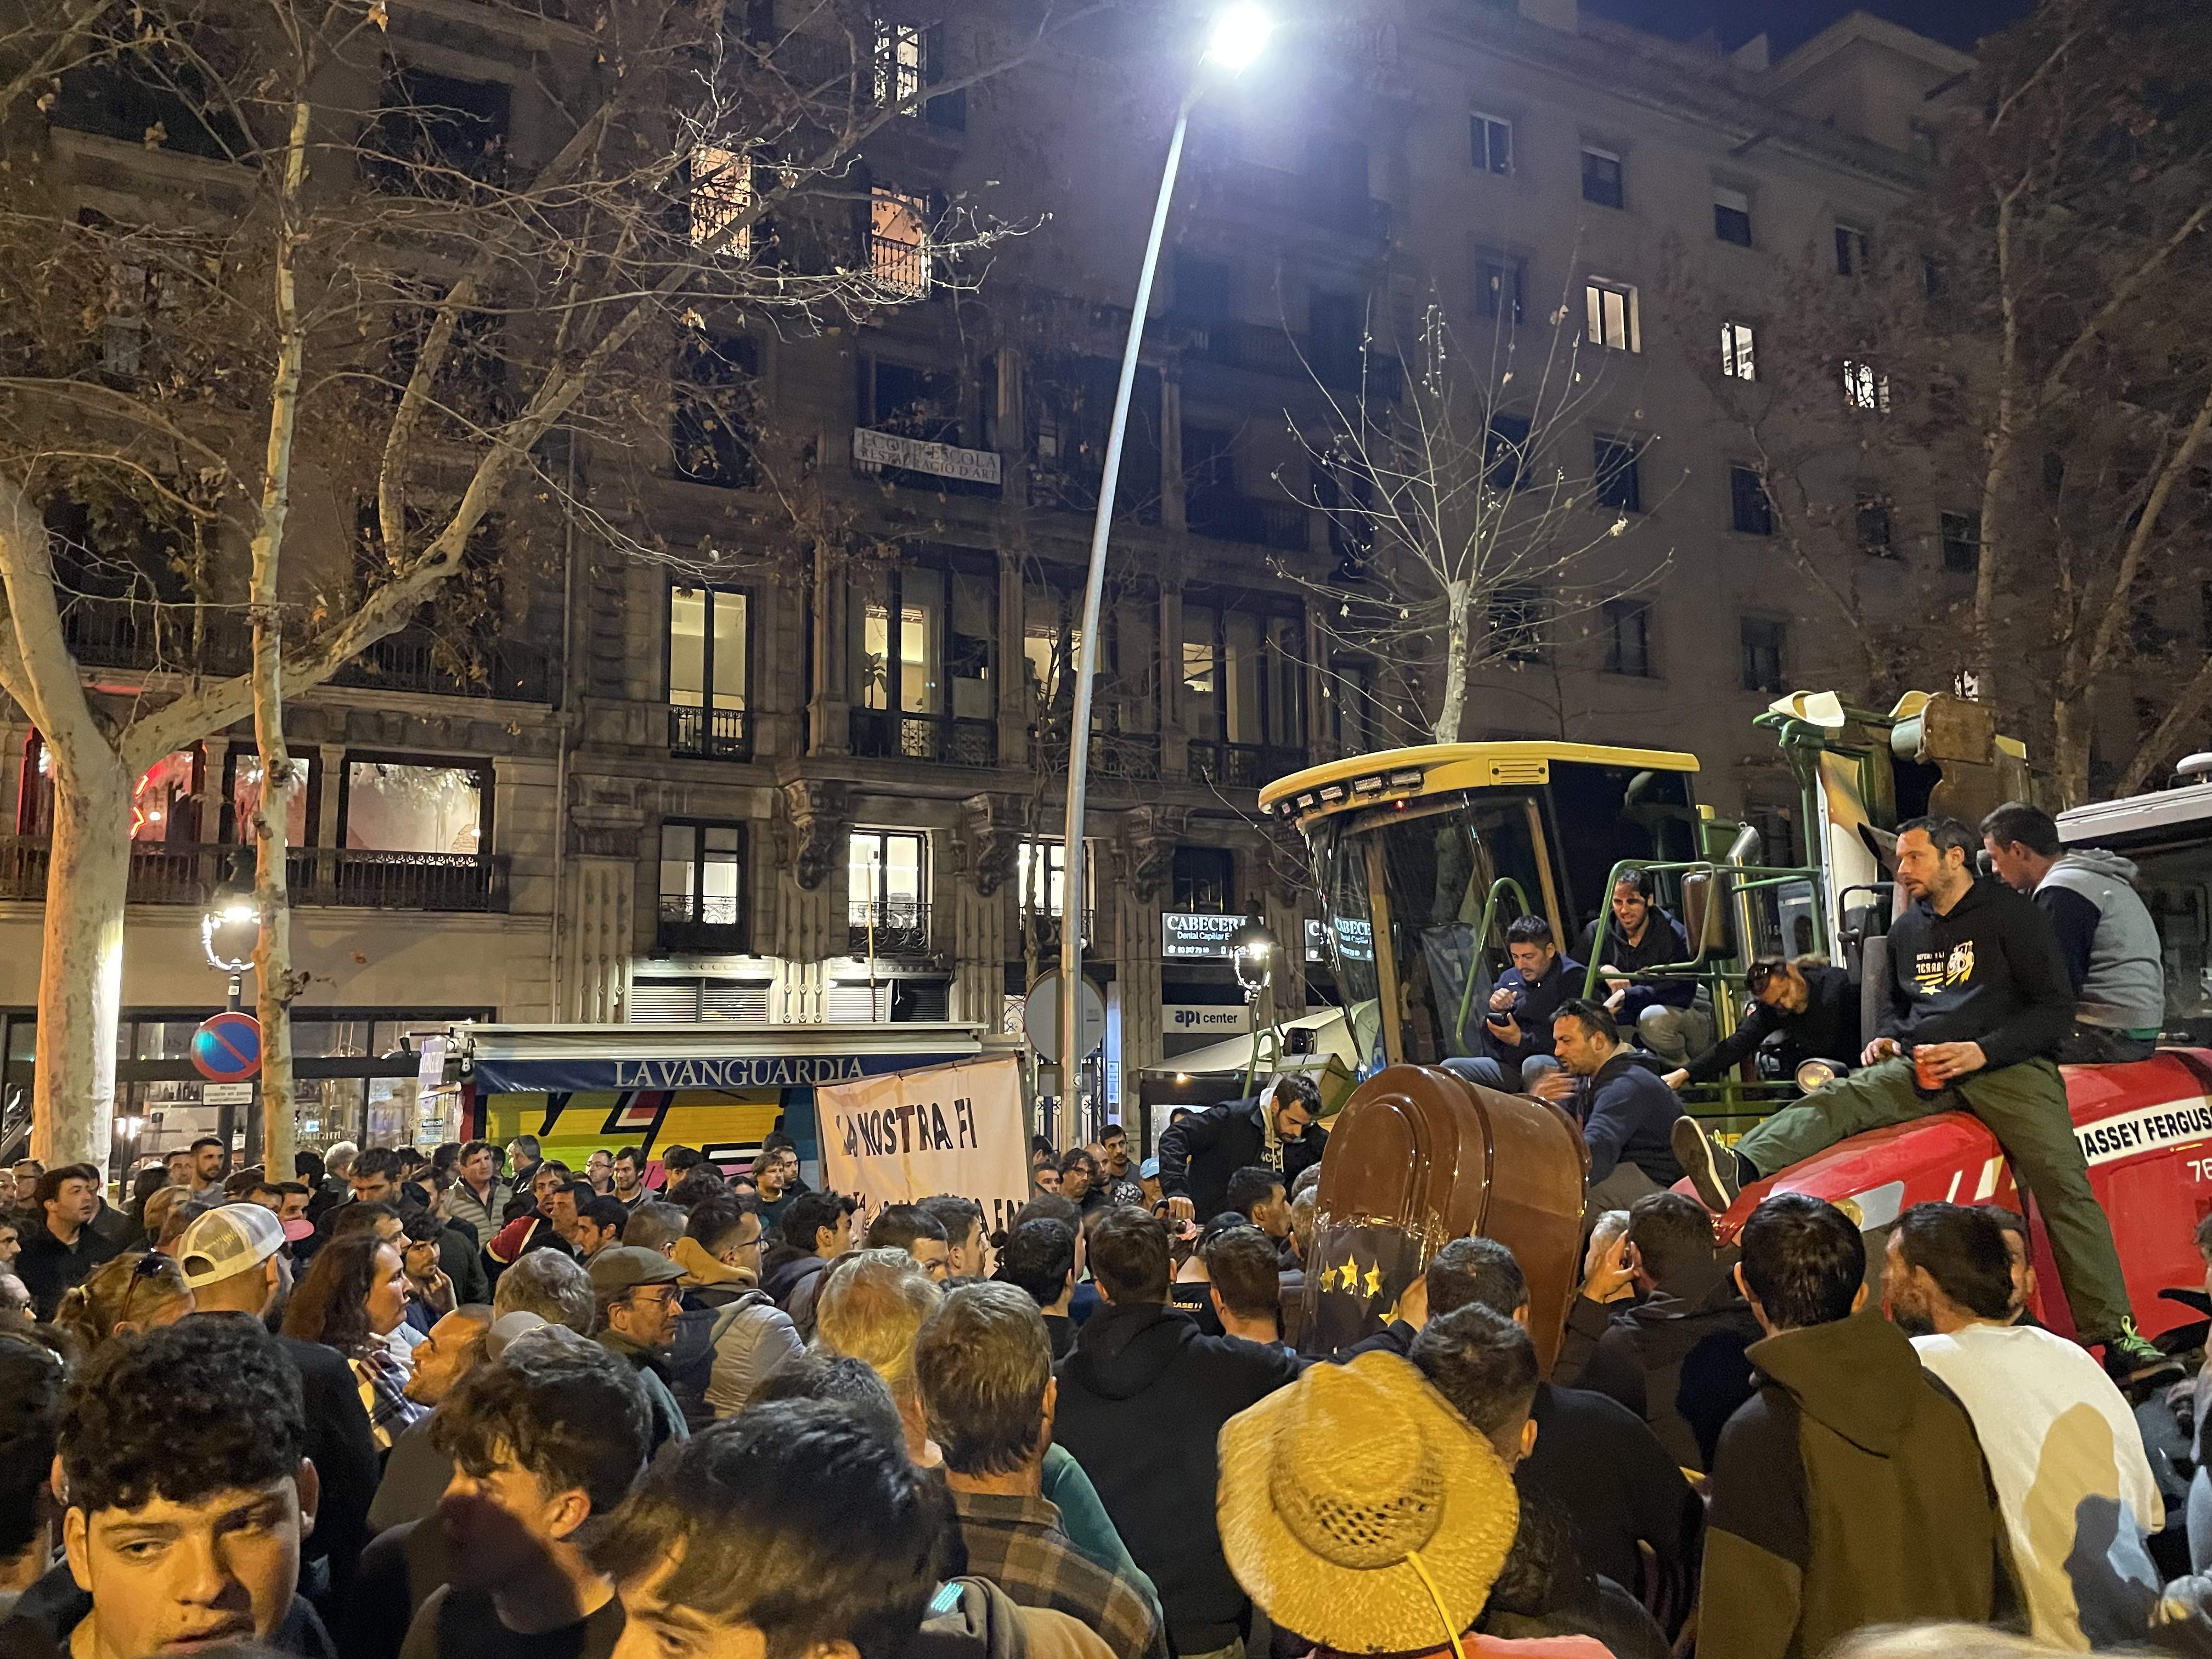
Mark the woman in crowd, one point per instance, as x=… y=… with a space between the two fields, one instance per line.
x=138 y=1292
x=352 y=1298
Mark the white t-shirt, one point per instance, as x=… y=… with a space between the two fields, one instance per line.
x=2072 y=1483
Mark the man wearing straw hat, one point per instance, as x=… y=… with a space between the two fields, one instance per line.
x=1360 y=1511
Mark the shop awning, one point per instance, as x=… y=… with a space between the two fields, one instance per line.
x=566 y=1058
x=1331 y=1035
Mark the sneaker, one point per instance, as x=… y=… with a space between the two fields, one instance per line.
x=2133 y=1362
x=1711 y=1167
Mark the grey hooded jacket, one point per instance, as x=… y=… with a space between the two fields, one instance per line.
x=2110 y=943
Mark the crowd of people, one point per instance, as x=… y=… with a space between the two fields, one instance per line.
x=278 y=1418
x=478 y=1403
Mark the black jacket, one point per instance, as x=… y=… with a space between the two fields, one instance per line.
x=1142 y=1400
x=50 y=1269
x=1663 y=943
x=784 y=1281
x=39 y=1627
x=1676 y=1358
x=1396 y=1337
x=1990 y=972
x=345 y=1458
x=1628 y=1117
x=1534 y=1002
x=1608 y=1472
x=1827 y=1029
x=1198 y=1155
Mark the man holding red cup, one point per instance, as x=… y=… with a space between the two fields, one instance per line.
x=1977 y=1002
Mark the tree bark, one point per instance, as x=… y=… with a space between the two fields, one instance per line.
x=275 y=987
x=81 y=961
x=1454 y=703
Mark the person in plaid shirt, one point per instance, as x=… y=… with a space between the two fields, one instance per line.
x=983 y=1363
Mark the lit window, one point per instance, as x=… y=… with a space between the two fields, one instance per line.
x=887 y=873
x=1492 y=140
x=898 y=242
x=1739 y=352
x=394 y=806
x=703 y=874
x=898 y=62
x=1865 y=386
x=722 y=194
x=1611 y=315
x=1732 y=217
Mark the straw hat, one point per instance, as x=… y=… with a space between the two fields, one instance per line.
x=1357 y=1509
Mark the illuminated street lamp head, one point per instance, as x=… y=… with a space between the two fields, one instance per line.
x=1252 y=953
x=232 y=924
x=1240 y=35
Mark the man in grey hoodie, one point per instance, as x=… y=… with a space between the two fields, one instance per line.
x=2110 y=941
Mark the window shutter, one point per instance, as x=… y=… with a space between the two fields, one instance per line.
x=949 y=110
x=858 y=1005
x=664 y=1002
x=734 y=1002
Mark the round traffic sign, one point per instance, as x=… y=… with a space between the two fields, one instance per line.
x=227 y=1048
x=1041 y=1018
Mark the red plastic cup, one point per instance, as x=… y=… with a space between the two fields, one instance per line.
x=1923 y=1071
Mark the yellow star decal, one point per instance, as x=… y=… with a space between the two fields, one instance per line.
x=1373 y=1283
x=1339 y=1274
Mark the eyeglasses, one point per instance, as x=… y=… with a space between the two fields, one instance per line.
x=151 y=1265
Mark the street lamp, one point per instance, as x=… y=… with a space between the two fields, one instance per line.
x=1252 y=956
x=231 y=924
x=1238 y=36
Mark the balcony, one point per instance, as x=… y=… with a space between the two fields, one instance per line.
x=888 y=928
x=138 y=635
x=877 y=734
x=1233 y=517
x=1045 y=930
x=1292 y=196
x=1242 y=765
x=1133 y=757
x=711 y=733
x=1260 y=348
x=185 y=872
x=713 y=929
x=409 y=661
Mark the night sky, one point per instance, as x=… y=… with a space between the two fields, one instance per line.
x=1791 y=22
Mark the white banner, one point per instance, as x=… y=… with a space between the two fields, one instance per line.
x=906 y=1135
x=874 y=448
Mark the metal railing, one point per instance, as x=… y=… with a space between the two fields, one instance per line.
x=1242 y=765
x=711 y=733
x=1260 y=348
x=1295 y=195
x=713 y=927
x=141 y=635
x=877 y=734
x=1233 y=517
x=409 y=661
x=1133 y=756
x=185 y=872
x=895 y=926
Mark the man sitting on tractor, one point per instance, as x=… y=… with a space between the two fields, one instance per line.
x=2104 y=932
x=1814 y=1007
x=1978 y=1004
x=1641 y=935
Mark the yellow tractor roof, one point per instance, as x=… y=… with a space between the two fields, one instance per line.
x=1444 y=766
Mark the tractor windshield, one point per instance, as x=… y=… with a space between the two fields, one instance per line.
x=2175 y=881
x=1410 y=889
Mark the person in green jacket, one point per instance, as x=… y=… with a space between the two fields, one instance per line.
x=638 y=1301
x=1851 y=1489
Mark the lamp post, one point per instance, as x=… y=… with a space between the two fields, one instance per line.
x=1252 y=955
x=1239 y=35
x=230 y=927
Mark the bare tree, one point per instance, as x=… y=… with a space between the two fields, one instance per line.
x=1473 y=519
x=2066 y=232
x=340 y=289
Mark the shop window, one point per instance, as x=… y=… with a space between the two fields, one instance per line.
x=164 y=802
x=401 y=805
x=241 y=798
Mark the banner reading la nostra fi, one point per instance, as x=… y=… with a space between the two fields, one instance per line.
x=907 y=1136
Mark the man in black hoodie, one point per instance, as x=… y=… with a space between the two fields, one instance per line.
x=1979 y=1001
x=1661 y=1328
x=1140 y=1405
x=1276 y=1130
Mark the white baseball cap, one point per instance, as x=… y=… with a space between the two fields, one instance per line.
x=229 y=1241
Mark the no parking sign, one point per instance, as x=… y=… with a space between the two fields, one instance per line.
x=227 y=1048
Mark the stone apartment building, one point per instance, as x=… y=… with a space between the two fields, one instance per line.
x=816 y=792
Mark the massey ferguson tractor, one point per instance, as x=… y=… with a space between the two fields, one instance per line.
x=1424 y=855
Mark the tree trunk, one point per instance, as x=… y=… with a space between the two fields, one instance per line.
x=1446 y=728
x=2072 y=727
x=81 y=962
x=272 y=948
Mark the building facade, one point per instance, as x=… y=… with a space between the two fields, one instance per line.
x=826 y=786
